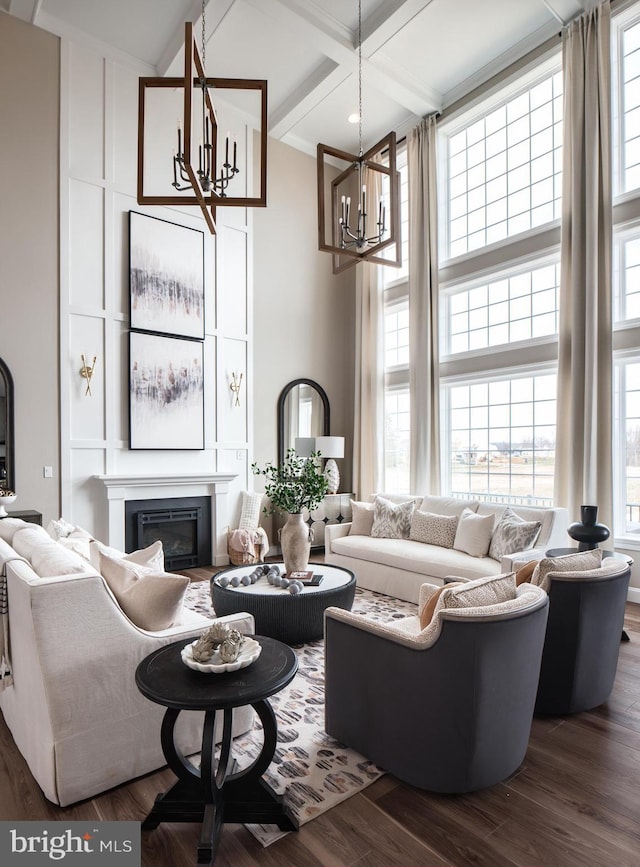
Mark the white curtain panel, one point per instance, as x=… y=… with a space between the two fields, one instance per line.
x=424 y=385
x=368 y=439
x=583 y=465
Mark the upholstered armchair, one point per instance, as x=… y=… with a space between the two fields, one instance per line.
x=446 y=708
x=580 y=657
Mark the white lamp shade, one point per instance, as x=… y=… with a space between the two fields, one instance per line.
x=330 y=447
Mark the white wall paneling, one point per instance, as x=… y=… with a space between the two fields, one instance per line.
x=86 y=88
x=98 y=189
x=234 y=415
x=86 y=253
x=86 y=411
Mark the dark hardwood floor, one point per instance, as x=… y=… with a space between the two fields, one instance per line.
x=575 y=802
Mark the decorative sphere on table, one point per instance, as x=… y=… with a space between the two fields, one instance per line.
x=246 y=580
x=223 y=581
x=235 y=581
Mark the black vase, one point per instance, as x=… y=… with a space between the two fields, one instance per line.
x=587 y=532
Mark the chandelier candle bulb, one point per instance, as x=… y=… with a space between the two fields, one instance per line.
x=235 y=153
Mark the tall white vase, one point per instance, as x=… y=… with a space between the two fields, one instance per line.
x=295 y=541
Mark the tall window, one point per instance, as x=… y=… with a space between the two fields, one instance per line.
x=501 y=181
x=626 y=275
x=504 y=169
x=396 y=354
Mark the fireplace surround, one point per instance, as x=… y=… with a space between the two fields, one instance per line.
x=121 y=489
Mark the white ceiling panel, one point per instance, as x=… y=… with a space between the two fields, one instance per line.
x=418 y=55
x=445 y=51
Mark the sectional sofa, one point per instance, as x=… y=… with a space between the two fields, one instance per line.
x=399 y=566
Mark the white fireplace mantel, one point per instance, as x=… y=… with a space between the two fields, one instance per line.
x=121 y=488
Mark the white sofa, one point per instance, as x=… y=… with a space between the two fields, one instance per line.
x=71 y=701
x=399 y=567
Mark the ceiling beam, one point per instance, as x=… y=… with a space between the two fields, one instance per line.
x=170 y=61
x=306 y=97
x=25 y=9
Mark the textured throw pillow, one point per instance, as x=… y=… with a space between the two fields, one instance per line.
x=483 y=591
x=250 y=515
x=433 y=529
x=512 y=534
x=362 y=519
x=59 y=529
x=392 y=520
x=473 y=534
x=151 y=557
x=524 y=573
x=582 y=561
x=150 y=599
x=426 y=615
x=78 y=540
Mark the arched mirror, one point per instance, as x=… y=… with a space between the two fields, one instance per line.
x=7 y=475
x=303 y=411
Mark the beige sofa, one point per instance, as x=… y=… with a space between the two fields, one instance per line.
x=399 y=567
x=70 y=699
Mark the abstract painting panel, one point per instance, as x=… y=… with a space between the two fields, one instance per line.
x=166 y=277
x=166 y=392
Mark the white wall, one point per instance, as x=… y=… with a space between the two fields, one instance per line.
x=303 y=314
x=99 y=101
x=29 y=71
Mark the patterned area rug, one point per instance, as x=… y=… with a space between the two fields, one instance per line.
x=313 y=771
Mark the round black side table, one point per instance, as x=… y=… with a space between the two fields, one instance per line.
x=213 y=794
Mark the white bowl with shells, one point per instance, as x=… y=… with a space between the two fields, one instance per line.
x=249 y=652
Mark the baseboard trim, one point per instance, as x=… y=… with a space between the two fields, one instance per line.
x=634 y=594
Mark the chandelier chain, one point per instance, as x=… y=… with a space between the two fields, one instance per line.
x=360 y=75
x=204 y=42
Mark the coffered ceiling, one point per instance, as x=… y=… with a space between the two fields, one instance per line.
x=418 y=55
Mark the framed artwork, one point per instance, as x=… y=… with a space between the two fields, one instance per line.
x=166 y=392
x=166 y=277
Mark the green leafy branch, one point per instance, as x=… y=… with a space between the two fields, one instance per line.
x=295 y=485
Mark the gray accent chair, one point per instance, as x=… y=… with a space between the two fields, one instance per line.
x=450 y=715
x=580 y=657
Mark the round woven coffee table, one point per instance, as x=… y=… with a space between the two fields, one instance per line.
x=278 y=614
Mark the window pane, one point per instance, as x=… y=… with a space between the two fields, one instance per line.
x=626 y=278
x=627 y=432
x=630 y=69
x=525 y=305
x=503 y=154
x=396 y=440
x=502 y=450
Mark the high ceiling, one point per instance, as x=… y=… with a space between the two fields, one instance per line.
x=418 y=55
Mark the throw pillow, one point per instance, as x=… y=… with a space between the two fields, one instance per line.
x=59 y=529
x=250 y=515
x=582 y=561
x=151 y=557
x=473 y=534
x=433 y=529
x=481 y=592
x=362 y=519
x=78 y=540
x=513 y=533
x=426 y=615
x=150 y=599
x=392 y=520
x=524 y=573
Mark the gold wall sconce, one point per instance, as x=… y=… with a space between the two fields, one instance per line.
x=86 y=372
x=234 y=385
